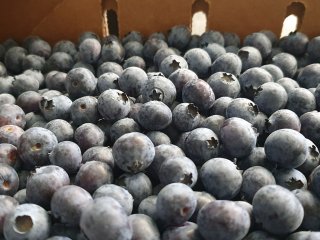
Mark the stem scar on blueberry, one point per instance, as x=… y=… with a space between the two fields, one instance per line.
x=227 y=77
x=175 y=64
x=243 y=54
x=36 y=147
x=156 y=95
x=294 y=183
x=187 y=179
x=83 y=106
x=123 y=97
x=193 y=110
x=184 y=211
x=254 y=108
x=23 y=223
x=313 y=151
x=212 y=143
x=5 y=183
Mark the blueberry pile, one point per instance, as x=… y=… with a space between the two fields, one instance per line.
x=169 y=136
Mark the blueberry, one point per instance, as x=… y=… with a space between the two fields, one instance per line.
x=29 y=101
x=179 y=37
x=211 y=36
x=133 y=152
x=313 y=49
x=259 y=41
x=231 y=39
x=123 y=126
x=175 y=204
x=59 y=61
x=89 y=50
x=89 y=34
x=43 y=183
x=202 y=199
x=132 y=36
x=68 y=210
x=252 y=79
x=187 y=231
x=99 y=153
x=312 y=159
x=89 y=135
x=6 y=84
x=199 y=93
x=214 y=50
x=255 y=178
x=283 y=118
x=13 y=59
x=154 y=115
x=61 y=129
x=80 y=82
x=198 y=61
x=287 y=63
x=156 y=137
x=274 y=70
x=66 y=154
x=21 y=196
x=9 y=180
x=88 y=66
x=201 y=145
x=242 y=108
x=295 y=43
x=32 y=61
x=178 y=169
x=9 y=155
x=143 y=227
x=250 y=57
x=148 y=207
x=232 y=49
x=65 y=46
x=34 y=146
x=180 y=77
x=257 y=157
x=224 y=220
x=237 y=137
x=84 y=110
x=310 y=123
x=161 y=54
x=288 y=83
x=56 y=80
x=98 y=220
x=277 y=209
x=303 y=235
x=112 y=51
x=228 y=62
x=39 y=47
x=57 y=107
x=185 y=116
x=8 y=204
x=23 y=83
x=300 y=101
x=172 y=63
x=224 y=85
x=314 y=181
x=109 y=67
x=151 y=46
x=118 y=193
x=138 y=185
x=10 y=134
x=290 y=178
x=7 y=98
x=58 y=238
x=135 y=61
x=159 y=88
x=132 y=80
x=260 y=235
x=27 y=221
x=270 y=97
x=93 y=174
x=107 y=81
x=220 y=106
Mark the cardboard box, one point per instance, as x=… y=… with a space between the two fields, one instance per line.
x=54 y=20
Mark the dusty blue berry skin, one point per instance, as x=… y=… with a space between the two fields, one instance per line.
x=65 y=46
x=220 y=105
x=8 y=204
x=288 y=83
x=313 y=49
x=159 y=88
x=10 y=134
x=151 y=46
x=238 y=137
x=176 y=203
x=44 y=182
x=39 y=47
x=144 y=227
x=113 y=104
x=161 y=54
x=132 y=36
x=250 y=57
x=201 y=145
x=84 y=110
x=108 y=80
x=132 y=80
x=68 y=209
x=211 y=36
x=57 y=107
x=9 y=180
x=304 y=235
x=135 y=61
x=123 y=126
x=7 y=98
x=287 y=63
x=133 y=152
x=214 y=50
x=61 y=129
x=314 y=181
x=286 y=147
x=80 y=82
x=158 y=138
x=9 y=155
x=308 y=77
x=260 y=235
x=133 y=48
x=221 y=178
x=224 y=220
x=224 y=85
x=274 y=70
x=251 y=79
x=202 y=199
x=148 y=207
x=179 y=37
x=312 y=159
x=27 y=221
x=255 y=178
x=242 y=108
x=29 y=101
x=259 y=41
x=118 y=193
x=138 y=185
x=99 y=153
x=257 y=157
x=181 y=169
x=187 y=231
x=310 y=123
x=172 y=63
x=186 y=117
x=23 y=83
x=295 y=43
x=283 y=118
x=277 y=209
x=89 y=135
x=93 y=174
x=198 y=61
x=105 y=219
x=154 y=116
x=13 y=59
x=89 y=50
x=66 y=154
x=290 y=178
x=112 y=51
x=228 y=62
x=34 y=146
x=109 y=67
x=59 y=61
x=32 y=61
x=300 y=101
x=199 y=93
x=6 y=84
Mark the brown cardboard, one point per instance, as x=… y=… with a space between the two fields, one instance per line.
x=54 y=20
